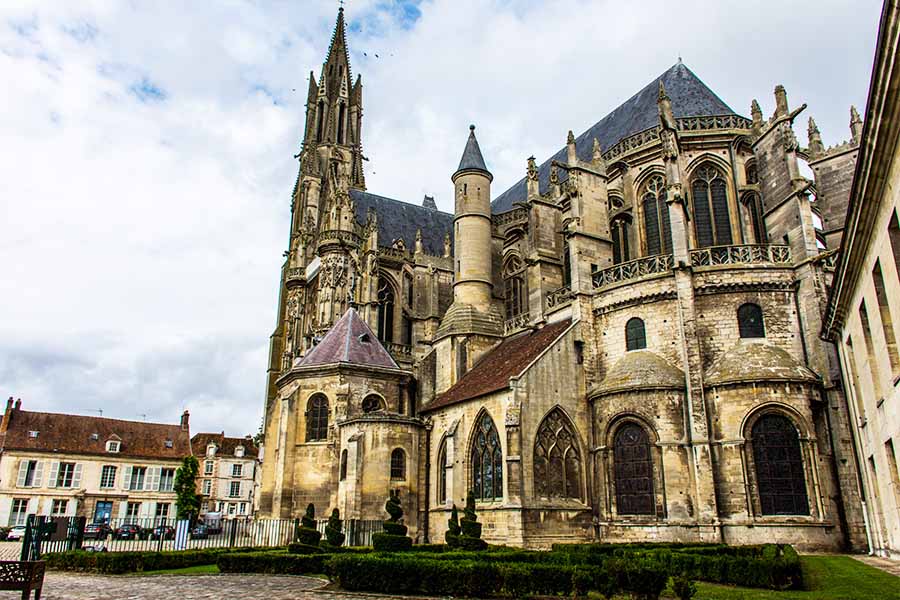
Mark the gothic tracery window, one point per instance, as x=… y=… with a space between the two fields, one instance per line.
x=633 y=466
x=385 y=310
x=779 y=467
x=317 y=418
x=657 y=227
x=486 y=461
x=712 y=222
x=557 y=460
x=620 y=229
x=757 y=221
x=514 y=287
x=750 y=321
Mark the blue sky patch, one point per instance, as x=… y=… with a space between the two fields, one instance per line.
x=82 y=32
x=146 y=91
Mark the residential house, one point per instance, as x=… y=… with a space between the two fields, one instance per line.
x=228 y=473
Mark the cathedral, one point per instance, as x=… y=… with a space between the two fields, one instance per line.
x=623 y=346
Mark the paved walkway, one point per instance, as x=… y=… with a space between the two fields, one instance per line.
x=879 y=562
x=70 y=586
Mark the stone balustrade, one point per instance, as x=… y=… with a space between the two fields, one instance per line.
x=516 y=215
x=399 y=351
x=750 y=254
x=516 y=323
x=559 y=296
x=633 y=269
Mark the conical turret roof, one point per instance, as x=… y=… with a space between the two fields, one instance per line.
x=349 y=341
x=472 y=160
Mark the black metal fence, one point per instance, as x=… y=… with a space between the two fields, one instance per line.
x=59 y=534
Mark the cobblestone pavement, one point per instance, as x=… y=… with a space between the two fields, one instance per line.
x=68 y=586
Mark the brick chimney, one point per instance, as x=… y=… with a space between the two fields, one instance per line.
x=7 y=415
x=185 y=420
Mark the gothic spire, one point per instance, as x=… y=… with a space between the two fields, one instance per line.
x=856 y=125
x=471 y=159
x=815 y=139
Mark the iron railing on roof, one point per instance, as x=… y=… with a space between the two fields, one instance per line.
x=633 y=269
x=748 y=254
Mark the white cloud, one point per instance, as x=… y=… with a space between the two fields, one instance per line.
x=146 y=162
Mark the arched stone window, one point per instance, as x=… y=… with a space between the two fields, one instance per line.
x=408 y=289
x=372 y=403
x=779 y=467
x=487 y=461
x=657 y=227
x=751 y=173
x=398 y=464
x=620 y=228
x=633 y=467
x=557 y=460
x=635 y=336
x=567 y=266
x=385 y=310
x=750 y=321
x=757 y=221
x=343 y=470
x=442 y=472
x=406 y=332
x=320 y=120
x=317 y=418
x=712 y=223
x=342 y=113
x=514 y=287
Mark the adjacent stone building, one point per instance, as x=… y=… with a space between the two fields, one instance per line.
x=229 y=469
x=864 y=308
x=106 y=470
x=624 y=345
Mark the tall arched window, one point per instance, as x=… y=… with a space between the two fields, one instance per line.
x=751 y=173
x=567 y=266
x=442 y=472
x=317 y=418
x=757 y=220
x=406 y=330
x=620 y=228
x=779 y=467
x=750 y=321
x=657 y=227
x=342 y=113
x=343 y=471
x=557 y=460
x=398 y=464
x=487 y=461
x=513 y=287
x=635 y=336
x=372 y=403
x=408 y=289
x=712 y=223
x=385 y=310
x=320 y=120
x=633 y=471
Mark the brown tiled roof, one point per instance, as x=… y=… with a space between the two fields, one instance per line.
x=78 y=434
x=224 y=445
x=349 y=341
x=495 y=368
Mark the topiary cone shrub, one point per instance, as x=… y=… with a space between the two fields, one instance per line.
x=451 y=536
x=307 y=533
x=471 y=528
x=333 y=534
x=393 y=537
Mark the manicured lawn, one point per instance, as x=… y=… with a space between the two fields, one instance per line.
x=826 y=578
x=197 y=570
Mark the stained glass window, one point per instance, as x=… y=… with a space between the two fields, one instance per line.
x=385 y=311
x=657 y=228
x=712 y=223
x=779 y=467
x=750 y=321
x=487 y=461
x=317 y=418
x=398 y=464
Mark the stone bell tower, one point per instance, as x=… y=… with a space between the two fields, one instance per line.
x=473 y=323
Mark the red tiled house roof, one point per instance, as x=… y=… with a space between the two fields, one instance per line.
x=224 y=445
x=76 y=434
x=493 y=371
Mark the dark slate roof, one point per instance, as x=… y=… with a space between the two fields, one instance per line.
x=77 y=434
x=690 y=98
x=349 y=341
x=401 y=220
x=471 y=158
x=225 y=446
x=493 y=371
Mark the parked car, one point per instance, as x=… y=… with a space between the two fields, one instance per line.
x=97 y=531
x=200 y=532
x=16 y=533
x=129 y=531
x=163 y=532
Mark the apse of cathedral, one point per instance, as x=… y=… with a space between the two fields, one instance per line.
x=623 y=346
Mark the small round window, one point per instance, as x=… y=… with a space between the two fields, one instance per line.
x=372 y=404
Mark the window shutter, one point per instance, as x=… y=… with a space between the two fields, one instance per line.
x=151 y=482
x=76 y=478
x=54 y=473
x=72 y=506
x=38 y=473
x=23 y=469
x=123 y=509
x=126 y=480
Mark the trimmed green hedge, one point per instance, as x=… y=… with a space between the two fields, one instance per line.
x=116 y=563
x=276 y=563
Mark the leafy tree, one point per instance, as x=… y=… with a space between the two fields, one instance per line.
x=187 y=499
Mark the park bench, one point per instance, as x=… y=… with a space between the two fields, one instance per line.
x=23 y=576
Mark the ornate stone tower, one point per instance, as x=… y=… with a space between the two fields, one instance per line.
x=472 y=324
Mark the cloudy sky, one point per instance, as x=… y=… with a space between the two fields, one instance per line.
x=146 y=154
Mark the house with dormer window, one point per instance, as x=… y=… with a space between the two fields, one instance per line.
x=229 y=471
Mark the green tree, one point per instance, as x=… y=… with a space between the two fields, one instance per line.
x=187 y=500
